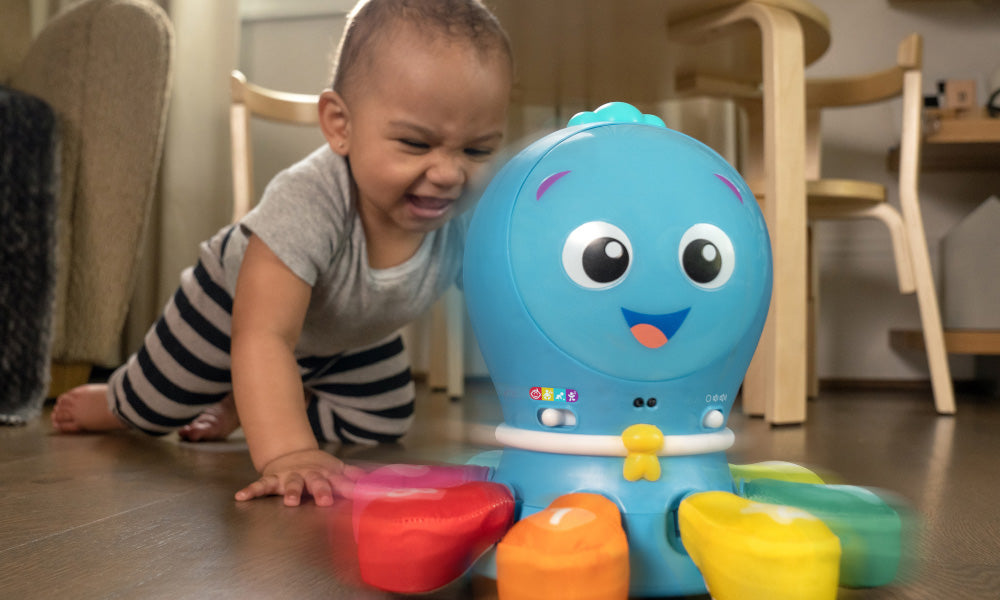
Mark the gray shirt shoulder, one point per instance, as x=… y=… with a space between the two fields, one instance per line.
x=307 y=217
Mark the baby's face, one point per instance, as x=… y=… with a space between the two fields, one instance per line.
x=424 y=125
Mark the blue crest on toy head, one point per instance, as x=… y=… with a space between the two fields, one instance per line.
x=616 y=112
x=619 y=254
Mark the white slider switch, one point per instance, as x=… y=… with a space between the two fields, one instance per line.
x=557 y=417
x=714 y=419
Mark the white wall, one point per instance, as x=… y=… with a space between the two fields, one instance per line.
x=860 y=302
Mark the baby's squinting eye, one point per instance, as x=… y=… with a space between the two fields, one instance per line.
x=414 y=144
x=597 y=255
x=478 y=152
x=706 y=255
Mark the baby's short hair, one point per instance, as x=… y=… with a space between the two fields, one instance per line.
x=371 y=22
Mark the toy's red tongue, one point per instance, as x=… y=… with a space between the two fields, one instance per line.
x=648 y=335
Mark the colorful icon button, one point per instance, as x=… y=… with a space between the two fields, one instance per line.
x=547 y=394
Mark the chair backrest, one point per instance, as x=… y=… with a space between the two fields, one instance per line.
x=250 y=100
x=903 y=79
x=910 y=141
x=871 y=87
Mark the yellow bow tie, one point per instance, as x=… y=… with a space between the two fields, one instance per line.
x=642 y=442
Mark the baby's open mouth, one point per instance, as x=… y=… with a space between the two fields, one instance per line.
x=429 y=206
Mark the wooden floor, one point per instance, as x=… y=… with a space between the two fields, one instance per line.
x=124 y=516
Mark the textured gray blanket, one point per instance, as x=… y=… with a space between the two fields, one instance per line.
x=27 y=252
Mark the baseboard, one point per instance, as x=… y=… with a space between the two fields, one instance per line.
x=964 y=386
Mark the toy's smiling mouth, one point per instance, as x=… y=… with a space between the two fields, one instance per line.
x=653 y=331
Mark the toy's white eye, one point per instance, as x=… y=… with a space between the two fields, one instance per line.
x=597 y=255
x=707 y=256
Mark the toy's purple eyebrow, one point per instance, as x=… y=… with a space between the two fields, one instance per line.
x=547 y=183
x=732 y=187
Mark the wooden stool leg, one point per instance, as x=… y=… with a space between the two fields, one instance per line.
x=447 y=368
x=66 y=376
x=784 y=337
x=776 y=380
x=812 y=314
x=755 y=386
x=455 y=319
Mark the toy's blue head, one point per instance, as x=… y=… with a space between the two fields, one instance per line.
x=615 y=261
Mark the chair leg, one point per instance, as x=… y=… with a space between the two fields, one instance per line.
x=909 y=202
x=914 y=268
x=812 y=314
x=930 y=320
x=897 y=232
x=914 y=272
x=902 y=250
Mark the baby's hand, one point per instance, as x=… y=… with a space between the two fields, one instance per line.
x=314 y=472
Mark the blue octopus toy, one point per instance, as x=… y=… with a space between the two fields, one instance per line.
x=618 y=275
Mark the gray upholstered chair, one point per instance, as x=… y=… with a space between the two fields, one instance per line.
x=104 y=67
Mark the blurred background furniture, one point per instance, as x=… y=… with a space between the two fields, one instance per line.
x=957 y=143
x=850 y=199
x=28 y=185
x=446 y=368
x=104 y=66
x=853 y=199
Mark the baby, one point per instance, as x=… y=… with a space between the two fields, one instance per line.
x=288 y=324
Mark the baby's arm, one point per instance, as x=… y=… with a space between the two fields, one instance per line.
x=268 y=312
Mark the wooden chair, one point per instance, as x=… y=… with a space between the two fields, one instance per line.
x=848 y=199
x=852 y=199
x=250 y=100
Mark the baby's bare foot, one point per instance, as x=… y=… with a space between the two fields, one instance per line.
x=213 y=425
x=84 y=408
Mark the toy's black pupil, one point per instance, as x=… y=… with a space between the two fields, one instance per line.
x=702 y=261
x=605 y=260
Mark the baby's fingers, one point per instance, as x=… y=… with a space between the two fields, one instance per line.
x=319 y=488
x=271 y=485
x=294 y=484
x=265 y=486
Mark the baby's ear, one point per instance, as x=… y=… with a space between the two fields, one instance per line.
x=334 y=120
